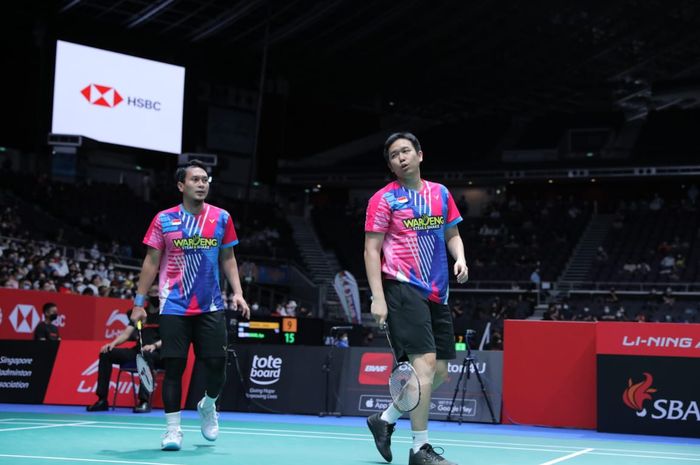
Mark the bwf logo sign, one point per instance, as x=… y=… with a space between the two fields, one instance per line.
x=636 y=394
x=266 y=370
x=375 y=368
x=106 y=96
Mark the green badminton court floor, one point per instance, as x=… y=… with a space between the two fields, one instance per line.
x=35 y=435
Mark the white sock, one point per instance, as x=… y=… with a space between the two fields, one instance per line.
x=173 y=420
x=391 y=414
x=419 y=438
x=208 y=402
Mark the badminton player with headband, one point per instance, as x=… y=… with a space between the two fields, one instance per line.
x=411 y=223
x=187 y=245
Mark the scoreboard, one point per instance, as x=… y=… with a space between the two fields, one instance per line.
x=277 y=330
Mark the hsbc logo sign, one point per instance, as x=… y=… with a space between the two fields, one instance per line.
x=375 y=368
x=106 y=96
x=24 y=318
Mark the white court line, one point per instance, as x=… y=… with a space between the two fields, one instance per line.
x=75 y=459
x=2 y=430
x=567 y=457
x=315 y=434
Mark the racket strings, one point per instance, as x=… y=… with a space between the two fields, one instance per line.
x=404 y=385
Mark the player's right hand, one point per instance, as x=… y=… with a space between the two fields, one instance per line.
x=379 y=311
x=106 y=348
x=138 y=314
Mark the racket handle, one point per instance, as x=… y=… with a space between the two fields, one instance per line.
x=139 y=325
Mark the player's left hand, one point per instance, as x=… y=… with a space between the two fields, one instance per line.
x=240 y=304
x=461 y=271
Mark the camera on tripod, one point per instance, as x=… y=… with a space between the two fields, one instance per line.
x=468 y=366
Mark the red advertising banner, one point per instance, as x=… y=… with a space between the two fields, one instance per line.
x=79 y=317
x=74 y=377
x=549 y=373
x=651 y=339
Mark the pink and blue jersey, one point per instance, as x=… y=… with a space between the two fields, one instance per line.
x=414 y=223
x=189 y=264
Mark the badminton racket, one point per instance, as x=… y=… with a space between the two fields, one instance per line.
x=142 y=367
x=404 y=386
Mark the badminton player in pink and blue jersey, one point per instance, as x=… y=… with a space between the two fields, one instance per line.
x=411 y=224
x=187 y=245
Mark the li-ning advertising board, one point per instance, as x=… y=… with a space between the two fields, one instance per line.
x=647 y=378
x=117 y=98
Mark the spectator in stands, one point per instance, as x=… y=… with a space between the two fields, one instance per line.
x=601 y=255
x=495 y=342
x=656 y=203
x=342 y=341
x=667 y=264
x=303 y=312
x=535 y=279
x=110 y=354
x=607 y=314
x=290 y=309
x=279 y=310
x=619 y=221
x=693 y=194
x=47 y=330
x=254 y=309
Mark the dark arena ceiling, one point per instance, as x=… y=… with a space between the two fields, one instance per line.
x=439 y=61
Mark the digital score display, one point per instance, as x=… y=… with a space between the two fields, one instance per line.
x=279 y=330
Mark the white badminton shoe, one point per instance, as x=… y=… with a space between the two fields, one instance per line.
x=210 y=421
x=172 y=439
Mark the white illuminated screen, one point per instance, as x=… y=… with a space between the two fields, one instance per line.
x=117 y=98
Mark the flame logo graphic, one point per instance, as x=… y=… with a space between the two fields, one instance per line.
x=636 y=393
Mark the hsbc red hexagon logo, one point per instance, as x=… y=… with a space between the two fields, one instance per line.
x=102 y=95
x=375 y=368
x=24 y=318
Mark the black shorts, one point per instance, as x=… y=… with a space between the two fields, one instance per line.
x=207 y=332
x=416 y=324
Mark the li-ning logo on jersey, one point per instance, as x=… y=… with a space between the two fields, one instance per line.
x=424 y=222
x=196 y=242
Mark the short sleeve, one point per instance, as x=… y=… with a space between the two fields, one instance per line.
x=453 y=217
x=230 y=238
x=154 y=235
x=378 y=217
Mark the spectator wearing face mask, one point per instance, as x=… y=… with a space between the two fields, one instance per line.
x=46 y=330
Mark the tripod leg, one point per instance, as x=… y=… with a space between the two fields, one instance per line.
x=483 y=391
x=454 y=396
x=466 y=365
